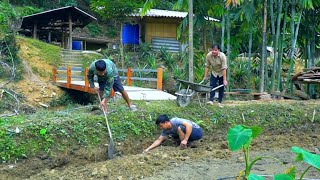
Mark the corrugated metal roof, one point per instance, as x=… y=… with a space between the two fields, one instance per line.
x=167 y=13
x=162 y=13
x=59 y=9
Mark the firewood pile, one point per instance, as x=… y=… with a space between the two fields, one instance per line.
x=310 y=76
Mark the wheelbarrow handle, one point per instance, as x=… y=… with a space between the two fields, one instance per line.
x=217 y=87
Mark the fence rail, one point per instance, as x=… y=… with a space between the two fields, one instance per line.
x=80 y=74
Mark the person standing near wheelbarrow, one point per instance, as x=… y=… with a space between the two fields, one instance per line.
x=108 y=78
x=217 y=62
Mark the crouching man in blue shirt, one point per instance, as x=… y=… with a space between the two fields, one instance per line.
x=182 y=129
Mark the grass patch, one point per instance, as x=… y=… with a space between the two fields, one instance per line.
x=52 y=132
x=48 y=53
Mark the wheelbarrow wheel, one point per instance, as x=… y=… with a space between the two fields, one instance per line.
x=183 y=100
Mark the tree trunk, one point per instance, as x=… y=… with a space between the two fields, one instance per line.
x=228 y=44
x=191 y=79
x=282 y=37
x=313 y=44
x=223 y=25
x=293 y=11
x=273 y=42
x=276 y=49
x=250 y=43
x=263 y=55
x=294 y=41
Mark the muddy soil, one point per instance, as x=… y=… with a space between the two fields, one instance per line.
x=210 y=159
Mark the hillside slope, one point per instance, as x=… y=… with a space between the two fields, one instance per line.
x=38 y=59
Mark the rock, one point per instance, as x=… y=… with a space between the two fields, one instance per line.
x=317 y=150
x=240 y=159
x=53 y=171
x=224 y=145
x=164 y=155
x=265 y=96
x=53 y=94
x=30 y=89
x=43 y=105
x=94 y=172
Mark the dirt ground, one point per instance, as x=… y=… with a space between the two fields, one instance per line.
x=210 y=159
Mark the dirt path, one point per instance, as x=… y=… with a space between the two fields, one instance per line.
x=211 y=159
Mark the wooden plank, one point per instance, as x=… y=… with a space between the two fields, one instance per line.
x=86 y=81
x=312 y=69
x=144 y=70
x=54 y=73
x=144 y=79
x=68 y=77
x=286 y=96
x=64 y=68
x=159 y=78
x=239 y=93
x=129 y=75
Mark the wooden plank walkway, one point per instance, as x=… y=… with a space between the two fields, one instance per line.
x=135 y=93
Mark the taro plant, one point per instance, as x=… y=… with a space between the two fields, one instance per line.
x=312 y=159
x=240 y=137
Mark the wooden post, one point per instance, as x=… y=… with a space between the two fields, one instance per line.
x=35 y=29
x=111 y=93
x=70 y=31
x=68 y=77
x=54 y=75
x=159 y=78
x=86 y=82
x=129 y=75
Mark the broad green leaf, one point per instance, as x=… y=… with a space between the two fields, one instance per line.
x=282 y=177
x=255 y=177
x=256 y=131
x=312 y=159
x=238 y=136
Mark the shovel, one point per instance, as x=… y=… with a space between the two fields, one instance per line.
x=111 y=145
x=217 y=87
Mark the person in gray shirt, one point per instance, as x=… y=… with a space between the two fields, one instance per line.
x=181 y=129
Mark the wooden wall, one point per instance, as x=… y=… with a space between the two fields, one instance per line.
x=160 y=29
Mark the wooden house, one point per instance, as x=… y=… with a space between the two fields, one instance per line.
x=157 y=27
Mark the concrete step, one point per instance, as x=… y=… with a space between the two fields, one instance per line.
x=169 y=40
x=171 y=49
x=77 y=61
x=71 y=64
x=165 y=44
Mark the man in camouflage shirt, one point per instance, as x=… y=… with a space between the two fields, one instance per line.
x=108 y=78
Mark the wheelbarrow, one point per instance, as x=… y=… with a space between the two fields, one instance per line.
x=188 y=89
